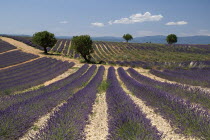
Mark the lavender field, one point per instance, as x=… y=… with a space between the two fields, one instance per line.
x=137 y=103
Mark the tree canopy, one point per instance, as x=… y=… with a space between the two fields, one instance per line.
x=44 y=39
x=172 y=38
x=127 y=37
x=83 y=45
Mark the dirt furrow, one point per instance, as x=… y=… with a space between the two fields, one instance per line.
x=97 y=129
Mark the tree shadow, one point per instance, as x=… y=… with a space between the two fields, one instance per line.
x=51 y=54
x=93 y=62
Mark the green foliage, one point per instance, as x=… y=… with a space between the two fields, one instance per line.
x=103 y=86
x=83 y=45
x=8 y=92
x=123 y=132
x=35 y=128
x=127 y=37
x=44 y=39
x=172 y=38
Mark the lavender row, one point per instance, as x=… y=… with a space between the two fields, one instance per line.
x=199 y=72
x=66 y=48
x=4 y=46
x=36 y=78
x=192 y=46
x=104 y=54
x=97 y=52
x=172 y=48
x=69 y=122
x=61 y=46
x=195 y=79
x=130 y=63
x=188 y=118
x=18 y=118
x=132 y=50
x=147 y=65
x=108 y=48
x=71 y=52
x=96 y=57
x=15 y=57
x=18 y=69
x=39 y=77
x=126 y=121
x=14 y=99
x=55 y=47
x=37 y=67
x=195 y=95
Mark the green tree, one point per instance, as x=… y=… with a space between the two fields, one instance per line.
x=127 y=37
x=172 y=38
x=83 y=45
x=44 y=39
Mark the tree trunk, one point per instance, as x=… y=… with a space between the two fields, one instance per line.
x=45 y=50
x=87 y=60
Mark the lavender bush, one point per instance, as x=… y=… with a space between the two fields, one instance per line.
x=14 y=57
x=188 y=118
x=69 y=122
x=4 y=46
x=126 y=121
x=23 y=79
x=195 y=95
x=196 y=77
x=18 y=118
x=7 y=101
x=54 y=49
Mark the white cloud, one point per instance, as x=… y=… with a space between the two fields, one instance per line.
x=97 y=24
x=137 y=18
x=177 y=23
x=63 y=22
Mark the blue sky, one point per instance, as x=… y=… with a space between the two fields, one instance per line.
x=106 y=17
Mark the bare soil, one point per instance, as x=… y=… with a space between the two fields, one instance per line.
x=97 y=129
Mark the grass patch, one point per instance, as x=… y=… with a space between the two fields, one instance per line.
x=103 y=86
x=131 y=131
x=7 y=92
x=75 y=68
x=30 y=89
x=35 y=128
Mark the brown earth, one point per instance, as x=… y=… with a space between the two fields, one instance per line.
x=97 y=129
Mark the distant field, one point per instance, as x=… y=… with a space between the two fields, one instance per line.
x=136 y=54
x=143 y=55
